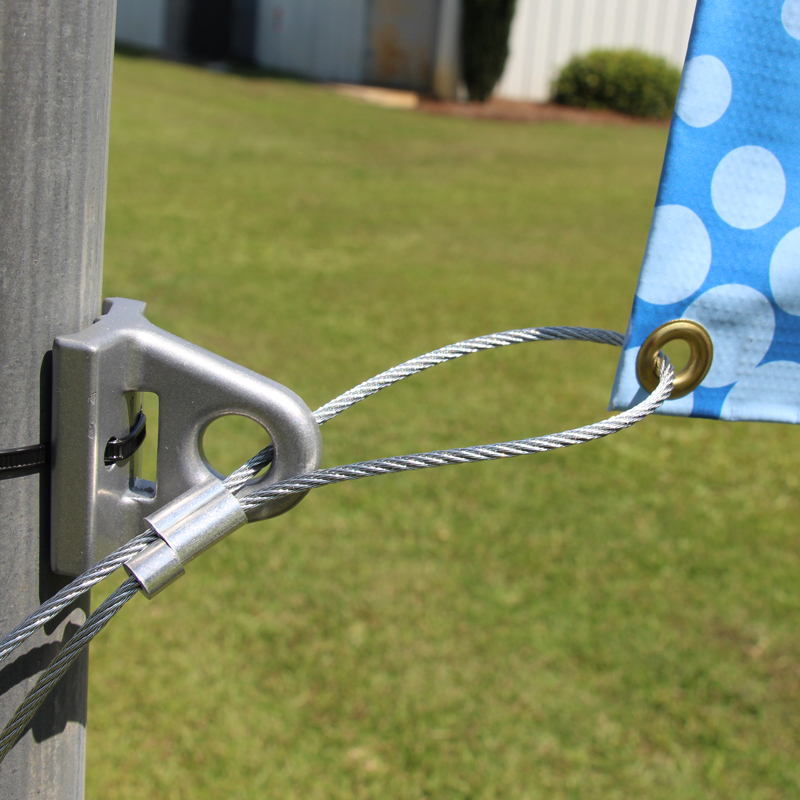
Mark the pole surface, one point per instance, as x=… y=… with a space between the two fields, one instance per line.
x=55 y=90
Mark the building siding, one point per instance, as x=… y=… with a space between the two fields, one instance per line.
x=545 y=34
x=142 y=23
x=319 y=39
x=401 y=43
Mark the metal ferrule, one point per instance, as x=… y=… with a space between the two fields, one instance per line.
x=189 y=525
x=156 y=567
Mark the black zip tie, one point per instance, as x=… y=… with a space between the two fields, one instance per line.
x=119 y=450
x=22 y=459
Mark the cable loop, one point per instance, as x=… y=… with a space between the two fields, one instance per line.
x=238 y=480
x=438 y=458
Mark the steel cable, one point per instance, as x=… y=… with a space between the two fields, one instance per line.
x=59 y=601
x=238 y=480
x=95 y=622
x=463 y=455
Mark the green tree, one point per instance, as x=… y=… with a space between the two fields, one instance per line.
x=484 y=44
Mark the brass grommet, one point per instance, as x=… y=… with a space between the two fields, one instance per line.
x=691 y=376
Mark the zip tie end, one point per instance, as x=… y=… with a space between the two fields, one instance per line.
x=186 y=527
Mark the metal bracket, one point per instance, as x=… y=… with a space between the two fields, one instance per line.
x=97 y=374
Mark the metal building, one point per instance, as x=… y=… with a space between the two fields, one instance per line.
x=207 y=30
x=545 y=34
x=409 y=44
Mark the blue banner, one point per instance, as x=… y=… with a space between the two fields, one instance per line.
x=724 y=244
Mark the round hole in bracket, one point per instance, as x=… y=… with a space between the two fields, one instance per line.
x=701 y=354
x=230 y=440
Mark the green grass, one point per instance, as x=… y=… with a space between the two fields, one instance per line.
x=614 y=621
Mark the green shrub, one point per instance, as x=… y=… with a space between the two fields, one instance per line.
x=484 y=44
x=628 y=81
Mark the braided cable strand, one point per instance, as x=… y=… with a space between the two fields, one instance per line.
x=463 y=455
x=236 y=480
x=95 y=622
x=457 y=350
x=59 y=601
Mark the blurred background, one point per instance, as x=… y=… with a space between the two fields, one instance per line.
x=407 y=44
x=616 y=620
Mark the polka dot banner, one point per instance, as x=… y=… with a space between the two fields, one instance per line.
x=724 y=245
x=748 y=187
x=706 y=91
x=680 y=252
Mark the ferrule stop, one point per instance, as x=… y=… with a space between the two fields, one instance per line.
x=186 y=527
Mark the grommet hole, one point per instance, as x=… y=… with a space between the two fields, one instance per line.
x=679 y=332
x=231 y=440
x=678 y=352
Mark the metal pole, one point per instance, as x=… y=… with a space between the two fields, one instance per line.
x=55 y=89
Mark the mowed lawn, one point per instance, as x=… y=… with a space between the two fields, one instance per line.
x=619 y=620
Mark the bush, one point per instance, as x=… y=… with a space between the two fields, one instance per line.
x=484 y=44
x=628 y=81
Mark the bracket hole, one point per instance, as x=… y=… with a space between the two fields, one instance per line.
x=147 y=466
x=231 y=440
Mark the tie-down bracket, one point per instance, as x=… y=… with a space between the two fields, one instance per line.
x=98 y=499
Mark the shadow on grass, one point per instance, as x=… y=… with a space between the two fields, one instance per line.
x=242 y=69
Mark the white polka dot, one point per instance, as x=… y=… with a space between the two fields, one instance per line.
x=705 y=91
x=790 y=16
x=677 y=258
x=767 y=394
x=741 y=323
x=748 y=187
x=784 y=273
x=628 y=391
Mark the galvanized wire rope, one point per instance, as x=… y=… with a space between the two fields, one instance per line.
x=464 y=455
x=238 y=480
x=59 y=601
x=95 y=622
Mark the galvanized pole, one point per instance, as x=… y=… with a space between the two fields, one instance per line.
x=55 y=89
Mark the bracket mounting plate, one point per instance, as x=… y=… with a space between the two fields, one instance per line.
x=97 y=375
